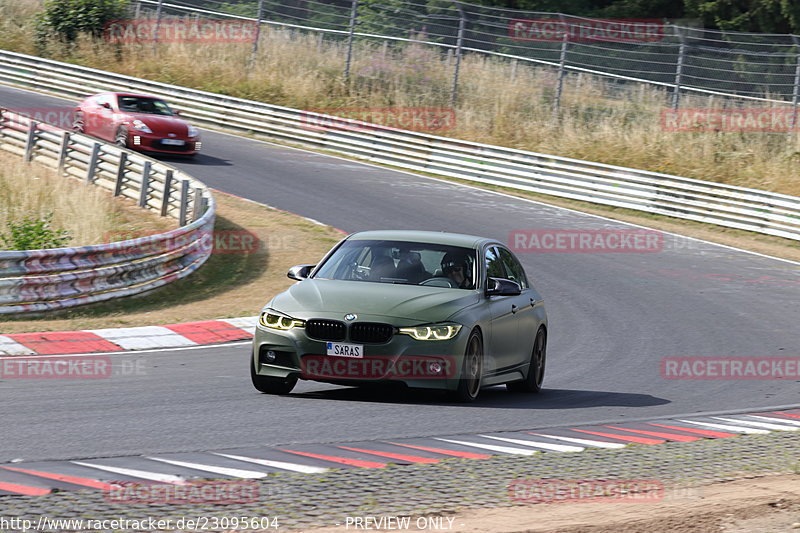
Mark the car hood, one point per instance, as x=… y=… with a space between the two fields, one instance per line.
x=419 y=305
x=163 y=124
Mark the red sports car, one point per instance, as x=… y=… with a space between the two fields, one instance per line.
x=142 y=123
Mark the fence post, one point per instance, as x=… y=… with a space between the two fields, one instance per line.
x=462 y=24
x=31 y=141
x=137 y=10
x=183 y=201
x=796 y=89
x=258 y=32
x=167 y=193
x=62 y=152
x=562 y=64
x=157 y=35
x=90 y=170
x=676 y=96
x=350 y=32
x=145 y=184
x=123 y=160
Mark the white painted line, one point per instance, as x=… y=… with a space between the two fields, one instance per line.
x=773 y=427
x=9 y=346
x=492 y=447
x=587 y=442
x=232 y=472
x=735 y=429
x=776 y=420
x=543 y=445
x=143 y=337
x=246 y=323
x=276 y=464
x=152 y=476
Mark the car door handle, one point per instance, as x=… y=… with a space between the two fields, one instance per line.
x=534 y=302
x=513 y=308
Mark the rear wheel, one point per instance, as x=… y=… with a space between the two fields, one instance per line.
x=121 y=137
x=535 y=377
x=271 y=385
x=469 y=382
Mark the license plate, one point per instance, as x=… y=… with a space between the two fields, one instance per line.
x=339 y=349
x=173 y=142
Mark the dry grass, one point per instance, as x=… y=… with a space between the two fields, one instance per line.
x=90 y=214
x=499 y=103
x=228 y=285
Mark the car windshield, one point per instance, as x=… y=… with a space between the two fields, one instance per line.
x=140 y=104
x=408 y=263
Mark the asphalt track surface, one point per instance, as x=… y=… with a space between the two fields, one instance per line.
x=613 y=317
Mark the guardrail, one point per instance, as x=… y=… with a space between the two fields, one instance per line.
x=43 y=280
x=725 y=205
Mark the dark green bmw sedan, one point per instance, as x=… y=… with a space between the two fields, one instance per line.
x=427 y=309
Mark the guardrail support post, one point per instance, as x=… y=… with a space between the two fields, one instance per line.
x=92 y=168
x=183 y=202
x=145 y=184
x=796 y=90
x=197 y=208
x=167 y=192
x=123 y=161
x=157 y=36
x=62 y=152
x=31 y=141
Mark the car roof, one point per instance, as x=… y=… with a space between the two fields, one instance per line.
x=109 y=93
x=429 y=237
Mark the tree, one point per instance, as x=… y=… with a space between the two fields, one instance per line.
x=67 y=18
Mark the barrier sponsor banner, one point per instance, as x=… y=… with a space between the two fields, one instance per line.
x=586 y=30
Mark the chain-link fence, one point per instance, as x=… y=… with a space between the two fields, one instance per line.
x=681 y=58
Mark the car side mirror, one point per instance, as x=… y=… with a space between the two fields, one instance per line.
x=300 y=272
x=176 y=111
x=105 y=105
x=502 y=287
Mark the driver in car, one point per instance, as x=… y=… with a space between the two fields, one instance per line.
x=456 y=267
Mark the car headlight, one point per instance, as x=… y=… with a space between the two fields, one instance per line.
x=434 y=332
x=273 y=320
x=141 y=126
x=193 y=132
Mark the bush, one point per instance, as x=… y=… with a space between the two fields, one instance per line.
x=33 y=233
x=67 y=18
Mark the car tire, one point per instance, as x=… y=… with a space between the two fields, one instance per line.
x=79 y=122
x=121 y=137
x=469 y=381
x=270 y=385
x=533 y=381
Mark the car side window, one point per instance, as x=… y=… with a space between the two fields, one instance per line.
x=494 y=265
x=514 y=268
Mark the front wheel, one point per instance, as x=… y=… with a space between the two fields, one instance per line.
x=270 y=385
x=533 y=381
x=469 y=382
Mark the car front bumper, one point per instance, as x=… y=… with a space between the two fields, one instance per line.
x=401 y=360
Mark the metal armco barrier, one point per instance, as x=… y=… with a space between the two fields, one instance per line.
x=725 y=205
x=42 y=280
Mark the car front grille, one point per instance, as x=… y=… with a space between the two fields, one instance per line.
x=371 y=332
x=325 y=330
